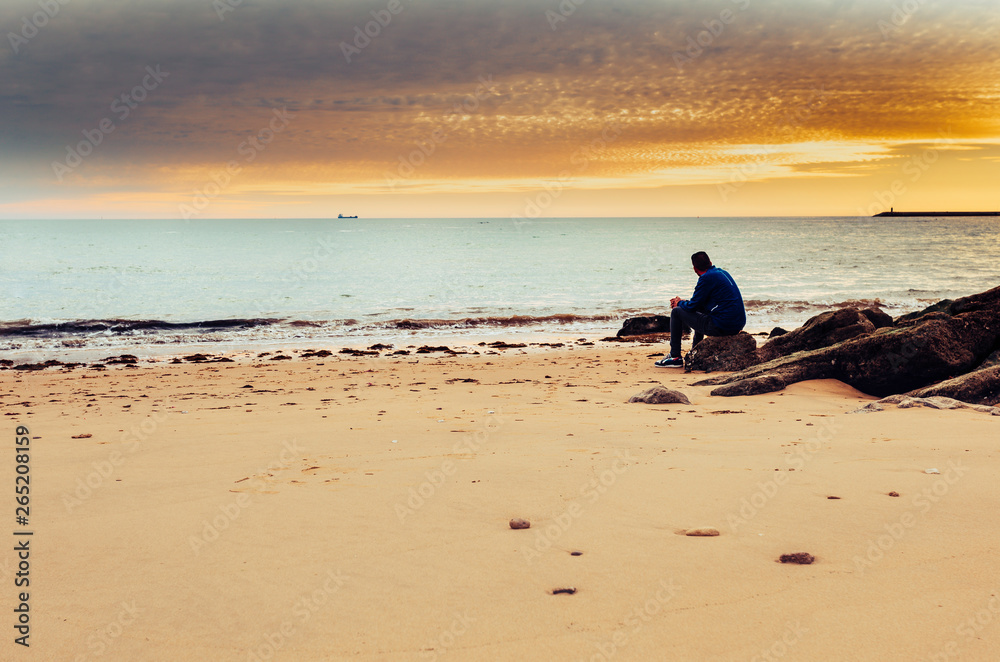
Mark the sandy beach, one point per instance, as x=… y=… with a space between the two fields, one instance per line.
x=340 y=507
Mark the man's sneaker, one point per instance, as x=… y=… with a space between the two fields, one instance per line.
x=670 y=362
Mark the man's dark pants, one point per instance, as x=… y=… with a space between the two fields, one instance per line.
x=681 y=320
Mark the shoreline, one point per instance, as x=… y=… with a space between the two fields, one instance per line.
x=304 y=334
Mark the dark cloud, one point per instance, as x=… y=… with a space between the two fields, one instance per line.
x=682 y=72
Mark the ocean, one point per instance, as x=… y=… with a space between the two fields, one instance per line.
x=159 y=285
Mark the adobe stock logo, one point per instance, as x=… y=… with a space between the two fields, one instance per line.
x=37 y=21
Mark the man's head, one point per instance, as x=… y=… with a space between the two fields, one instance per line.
x=701 y=262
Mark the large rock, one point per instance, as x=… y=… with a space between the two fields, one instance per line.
x=640 y=326
x=880 y=319
x=941 y=306
x=887 y=361
x=660 y=395
x=822 y=330
x=725 y=353
x=984 y=301
x=979 y=387
x=751 y=386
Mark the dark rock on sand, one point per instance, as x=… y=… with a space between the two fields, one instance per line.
x=639 y=326
x=648 y=338
x=427 y=349
x=937 y=346
x=777 y=331
x=659 y=395
x=124 y=358
x=356 y=352
x=723 y=353
x=801 y=558
x=979 y=387
x=518 y=523
x=822 y=330
x=751 y=386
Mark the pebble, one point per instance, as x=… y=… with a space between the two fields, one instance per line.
x=801 y=558
x=518 y=523
x=569 y=591
x=702 y=531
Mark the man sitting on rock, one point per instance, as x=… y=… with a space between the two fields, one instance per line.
x=715 y=309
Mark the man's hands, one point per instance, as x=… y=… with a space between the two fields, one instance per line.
x=674 y=302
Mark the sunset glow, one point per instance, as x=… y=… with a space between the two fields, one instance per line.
x=274 y=108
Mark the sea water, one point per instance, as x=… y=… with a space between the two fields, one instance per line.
x=129 y=283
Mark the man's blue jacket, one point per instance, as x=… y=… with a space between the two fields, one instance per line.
x=716 y=295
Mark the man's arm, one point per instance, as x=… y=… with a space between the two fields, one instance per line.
x=700 y=296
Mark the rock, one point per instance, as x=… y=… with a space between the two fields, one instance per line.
x=941 y=306
x=984 y=301
x=639 y=326
x=518 y=523
x=751 y=386
x=723 y=353
x=801 y=558
x=567 y=591
x=822 y=330
x=877 y=317
x=702 y=531
x=500 y=344
x=124 y=358
x=894 y=494
x=991 y=361
x=979 y=387
x=648 y=338
x=84 y=435
x=934 y=402
x=660 y=395
x=888 y=361
x=776 y=331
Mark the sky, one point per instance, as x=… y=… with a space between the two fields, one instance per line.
x=499 y=108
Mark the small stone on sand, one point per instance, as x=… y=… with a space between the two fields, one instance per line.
x=801 y=558
x=894 y=494
x=658 y=395
x=518 y=523
x=568 y=591
x=704 y=531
